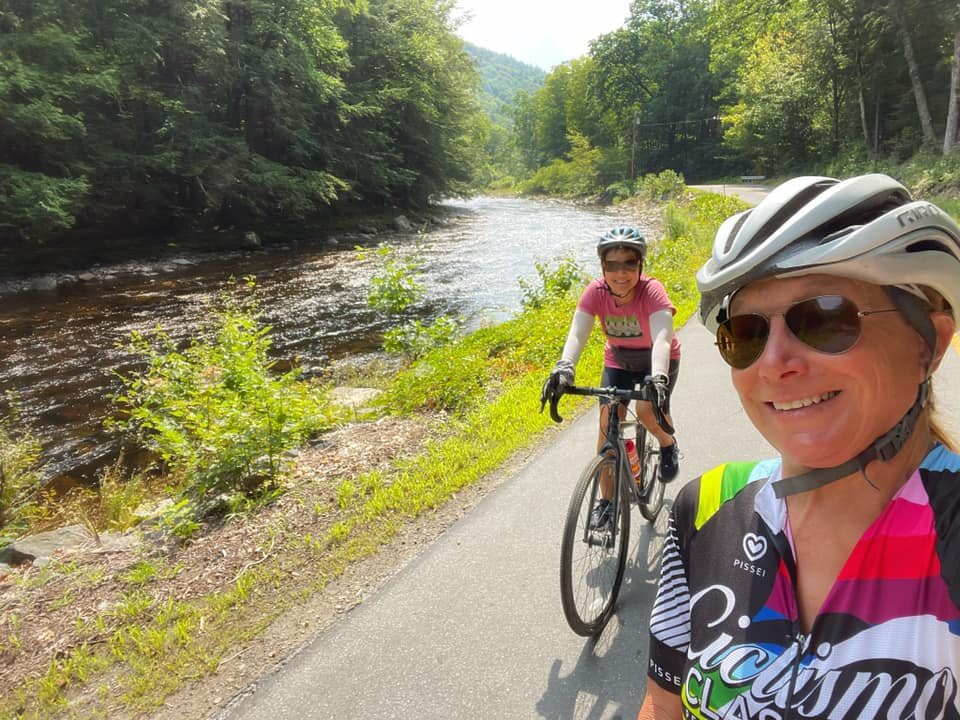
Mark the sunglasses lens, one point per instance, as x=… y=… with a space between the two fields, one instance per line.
x=615 y=265
x=828 y=323
x=741 y=339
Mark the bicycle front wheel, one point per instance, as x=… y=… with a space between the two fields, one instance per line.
x=592 y=560
x=651 y=497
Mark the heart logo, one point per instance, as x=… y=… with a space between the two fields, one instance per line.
x=754 y=546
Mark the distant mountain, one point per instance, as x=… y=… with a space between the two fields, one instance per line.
x=501 y=78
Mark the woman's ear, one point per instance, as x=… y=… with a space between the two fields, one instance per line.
x=945 y=326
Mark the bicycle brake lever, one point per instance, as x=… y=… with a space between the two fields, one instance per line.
x=662 y=420
x=553 y=409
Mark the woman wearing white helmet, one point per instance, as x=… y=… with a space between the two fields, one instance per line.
x=637 y=317
x=824 y=583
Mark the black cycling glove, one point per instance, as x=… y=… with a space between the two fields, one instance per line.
x=660 y=384
x=561 y=377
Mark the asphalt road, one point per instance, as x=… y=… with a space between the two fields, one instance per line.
x=473 y=627
x=750 y=193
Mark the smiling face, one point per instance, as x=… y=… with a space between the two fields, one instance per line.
x=621 y=280
x=818 y=409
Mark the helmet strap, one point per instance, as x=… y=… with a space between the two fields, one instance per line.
x=883 y=448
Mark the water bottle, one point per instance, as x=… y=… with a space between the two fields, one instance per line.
x=633 y=459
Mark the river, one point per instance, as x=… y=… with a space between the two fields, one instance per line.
x=61 y=348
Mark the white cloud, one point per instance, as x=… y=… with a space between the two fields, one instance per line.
x=539 y=32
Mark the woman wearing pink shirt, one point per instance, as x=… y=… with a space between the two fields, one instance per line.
x=637 y=317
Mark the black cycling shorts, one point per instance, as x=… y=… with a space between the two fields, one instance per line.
x=629 y=379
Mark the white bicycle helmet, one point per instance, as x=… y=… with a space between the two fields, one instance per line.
x=866 y=228
x=622 y=237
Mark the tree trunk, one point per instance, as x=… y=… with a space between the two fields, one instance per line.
x=950 y=136
x=926 y=122
x=862 y=102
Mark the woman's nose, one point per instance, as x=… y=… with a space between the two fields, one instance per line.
x=783 y=353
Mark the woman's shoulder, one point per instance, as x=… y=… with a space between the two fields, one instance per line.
x=701 y=498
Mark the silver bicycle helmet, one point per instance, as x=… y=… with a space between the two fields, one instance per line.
x=866 y=228
x=622 y=237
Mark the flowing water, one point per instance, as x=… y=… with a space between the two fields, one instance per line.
x=60 y=349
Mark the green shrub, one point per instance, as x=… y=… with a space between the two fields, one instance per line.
x=20 y=474
x=215 y=412
x=397 y=285
x=415 y=339
x=661 y=187
x=556 y=281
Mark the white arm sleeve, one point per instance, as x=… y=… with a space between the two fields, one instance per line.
x=661 y=328
x=577 y=338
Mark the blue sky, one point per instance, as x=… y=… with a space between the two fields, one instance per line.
x=544 y=33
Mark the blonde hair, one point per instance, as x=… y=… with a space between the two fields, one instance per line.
x=937 y=429
x=939 y=304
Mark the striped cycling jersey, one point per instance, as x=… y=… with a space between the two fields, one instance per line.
x=724 y=631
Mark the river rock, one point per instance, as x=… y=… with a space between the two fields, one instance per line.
x=182 y=261
x=251 y=241
x=86 y=277
x=402 y=223
x=44 y=283
x=367 y=229
x=38 y=549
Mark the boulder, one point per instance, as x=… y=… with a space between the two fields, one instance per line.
x=403 y=224
x=38 y=549
x=251 y=241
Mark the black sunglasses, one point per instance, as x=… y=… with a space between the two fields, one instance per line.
x=828 y=324
x=615 y=265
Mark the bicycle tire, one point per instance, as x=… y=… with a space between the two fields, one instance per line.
x=651 y=498
x=592 y=562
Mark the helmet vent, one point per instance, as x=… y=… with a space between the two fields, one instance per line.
x=928 y=246
x=733 y=233
x=783 y=215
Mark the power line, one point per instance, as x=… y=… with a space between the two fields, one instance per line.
x=680 y=122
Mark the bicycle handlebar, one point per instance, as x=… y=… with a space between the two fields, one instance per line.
x=612 y=393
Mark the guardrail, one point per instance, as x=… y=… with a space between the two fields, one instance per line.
x=750 y=179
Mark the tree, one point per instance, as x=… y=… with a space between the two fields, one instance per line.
x=951 y=134
x=903 y=32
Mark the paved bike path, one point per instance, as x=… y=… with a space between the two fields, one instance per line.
x=473 y=627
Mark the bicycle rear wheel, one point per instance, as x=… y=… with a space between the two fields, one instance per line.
x=651 y=497
x=592 y=561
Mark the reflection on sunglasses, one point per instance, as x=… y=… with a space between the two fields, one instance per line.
x=616 y=265
x=828 y=323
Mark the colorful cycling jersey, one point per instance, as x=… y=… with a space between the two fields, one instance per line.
x=724 y=632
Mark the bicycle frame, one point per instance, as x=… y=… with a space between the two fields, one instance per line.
x=623 y=481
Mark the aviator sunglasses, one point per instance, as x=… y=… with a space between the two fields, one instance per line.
x=828 y=323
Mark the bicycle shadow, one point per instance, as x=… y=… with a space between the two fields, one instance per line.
x=608 y=680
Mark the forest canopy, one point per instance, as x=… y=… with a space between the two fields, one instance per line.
x=771 y=87
x=127 y=115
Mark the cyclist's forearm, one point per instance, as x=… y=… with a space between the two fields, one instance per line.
x=661 y=330
x=577 y=338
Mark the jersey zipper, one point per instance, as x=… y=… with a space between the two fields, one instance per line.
x=801 y=642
